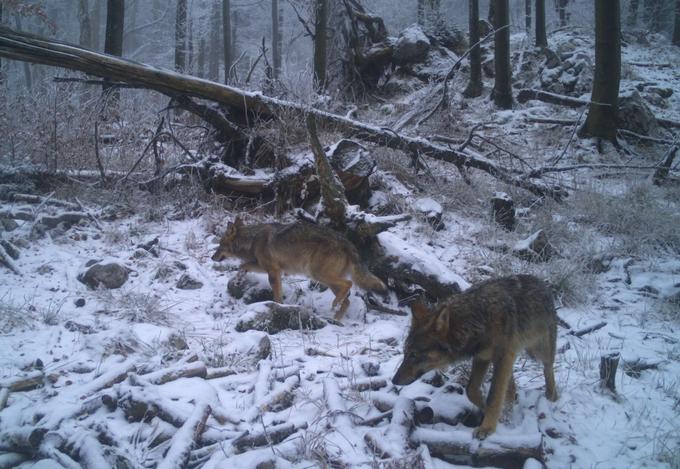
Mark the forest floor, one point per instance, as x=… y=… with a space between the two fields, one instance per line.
x=313 y=396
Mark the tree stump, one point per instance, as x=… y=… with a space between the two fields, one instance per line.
x=608 y=365
x=503 y=210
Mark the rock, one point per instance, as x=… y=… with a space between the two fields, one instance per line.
x=187 y=282
x=80 y=302
x=503 y=210
x=108 y=276
x=535 y=248
x=635 y=115
x=274 y=317
x=249 y=289
x=77 y=327
x=431 y=210
x=411 y=45
x=8 y=224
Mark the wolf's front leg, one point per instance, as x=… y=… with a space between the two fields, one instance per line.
x=502 y=374
x=275 y=282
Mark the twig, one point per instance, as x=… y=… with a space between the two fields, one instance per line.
x=647 y=138
x=588 y=330
x=96 y=151
x=571 y=138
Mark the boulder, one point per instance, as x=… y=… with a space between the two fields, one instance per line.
x=411 y=45
x=635 y=115
x=108 y=276
x=274 y=317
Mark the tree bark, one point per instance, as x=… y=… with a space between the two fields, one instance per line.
x=181 y=36
x=562 y=12
x=214 y=43
x=502 y=90
x=226 y=38
x=474 y=87
x=276 y=39
x=541 y=37
x=320 y=43
x=602 y=113
x=18 y=46
x=527 y=15
x=113 y=42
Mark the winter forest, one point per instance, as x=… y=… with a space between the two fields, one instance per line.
x=339 y=234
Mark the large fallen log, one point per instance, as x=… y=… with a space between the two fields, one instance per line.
x=29 y=48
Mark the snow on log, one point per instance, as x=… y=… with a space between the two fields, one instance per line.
x=185 y=439
x=335 y=403
x=4 y=396
x=269 y=436
x=459 y=447
x=185 y=370
x=50 y=447
x=106 y=380
x=19 y=46
x=89 y=450
x=281 y=397
x=7 y=261
x=394 y=441
x=36 y=199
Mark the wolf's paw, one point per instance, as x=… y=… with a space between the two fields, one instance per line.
x=483 y=431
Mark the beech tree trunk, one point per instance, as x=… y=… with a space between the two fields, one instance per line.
x=214 y=43
x=113 y=41
x=502 y=90
x=601 y=120
x=226 y=38
x=527 y=15
x=2 y=76
x=85 y=39
x=320 y=43
x=276 y=39
x=541 y=37
x=181 y=36
x=474 y=87
x=562 y=12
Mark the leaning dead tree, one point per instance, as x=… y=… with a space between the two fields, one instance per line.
x=243 y=106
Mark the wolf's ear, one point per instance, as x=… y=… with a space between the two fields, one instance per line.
x=420 y=311
x=442 y=323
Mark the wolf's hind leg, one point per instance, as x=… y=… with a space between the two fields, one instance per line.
x=545 y=353
x=502 y=373
x=474 y=391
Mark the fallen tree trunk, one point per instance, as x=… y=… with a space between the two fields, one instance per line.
x=244 y=104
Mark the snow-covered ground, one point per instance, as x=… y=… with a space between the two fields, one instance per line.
x=325 y=390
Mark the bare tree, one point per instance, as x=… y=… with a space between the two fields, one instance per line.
x=181 y=36
x=527 y=15
x=113 y=41
x=502 y=89
x=95 y=24
x=277 y=38
x=2 y=76
x=562 y=12
x=214 y=43
x=474 y=87
x=320 y=42
x=601 y=120
x=226 y=37
x=652 y=12
x=541 y=37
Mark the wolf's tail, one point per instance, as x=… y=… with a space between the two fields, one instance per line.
x=366 y=280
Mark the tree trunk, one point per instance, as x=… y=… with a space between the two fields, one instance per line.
x=85 y=39
x=214 y=43
x=527 y=15
x=676 y=27
x=276 y=39
x=421 y=12
x=28 y=74
x=201 y=58
x=652 y=15
x=96 y=25
x=226 y=38
x=601 y=120
x=474 y=87
x=320 y=43
x=541 y=37
x=113 y=42
x=502 y=90
x=633 y=12
x=2 y=76
x=492 y=12
x=181 y=36
x=562 y=12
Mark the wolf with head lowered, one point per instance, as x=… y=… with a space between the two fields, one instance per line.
x=492 y=323
x=298 y=248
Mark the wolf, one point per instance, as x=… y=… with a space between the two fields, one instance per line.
x=491 y=322
x=298 y=248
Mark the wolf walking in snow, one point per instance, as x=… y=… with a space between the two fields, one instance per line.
x=298 y=248
x=491 y=322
